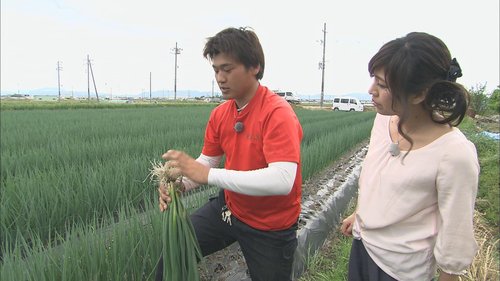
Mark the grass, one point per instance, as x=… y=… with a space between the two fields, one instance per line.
x=485 y=265
x=331 y=262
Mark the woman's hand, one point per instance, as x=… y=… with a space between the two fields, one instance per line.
x=347 y=224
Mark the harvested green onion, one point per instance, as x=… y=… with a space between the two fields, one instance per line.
x=180 y=249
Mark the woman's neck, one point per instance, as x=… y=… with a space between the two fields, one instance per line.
x=416 y=120
x=420 y=128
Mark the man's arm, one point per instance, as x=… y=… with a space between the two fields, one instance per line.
x=276 y=179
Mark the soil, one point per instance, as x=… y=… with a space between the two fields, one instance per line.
x=229 y=264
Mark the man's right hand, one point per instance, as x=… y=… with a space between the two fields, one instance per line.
x=164 y=197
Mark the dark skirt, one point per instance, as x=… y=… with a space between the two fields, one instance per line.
x=362 y=267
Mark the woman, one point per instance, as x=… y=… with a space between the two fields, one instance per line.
x=419 y=179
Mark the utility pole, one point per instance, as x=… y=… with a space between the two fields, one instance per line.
x=212 y=88
x=177 y=51
x=93 y=80
x=150 y=86
x=88 y=77
x=322 y=66
x=59 y=68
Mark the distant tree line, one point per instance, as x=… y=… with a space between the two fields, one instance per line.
x=483 y=103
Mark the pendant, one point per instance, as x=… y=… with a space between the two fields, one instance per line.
x=394 y=149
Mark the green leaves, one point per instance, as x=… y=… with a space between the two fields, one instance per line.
x=180 y=249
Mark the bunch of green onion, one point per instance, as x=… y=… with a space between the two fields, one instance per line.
x=180 y=249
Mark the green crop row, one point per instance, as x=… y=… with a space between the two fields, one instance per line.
x=101 y=250
x=61 y=168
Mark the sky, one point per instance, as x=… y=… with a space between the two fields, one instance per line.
x=128 y=40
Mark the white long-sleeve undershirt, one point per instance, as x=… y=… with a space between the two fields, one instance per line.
x=276 y=179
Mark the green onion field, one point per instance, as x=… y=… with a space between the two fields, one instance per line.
x=75 y=199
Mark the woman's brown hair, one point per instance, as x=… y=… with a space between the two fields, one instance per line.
x=421 y=63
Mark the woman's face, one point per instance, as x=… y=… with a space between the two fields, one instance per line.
x=381 y=96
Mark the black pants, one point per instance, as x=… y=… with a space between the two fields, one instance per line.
x=268 y=254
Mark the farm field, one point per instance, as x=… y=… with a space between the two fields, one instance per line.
x=76 y=203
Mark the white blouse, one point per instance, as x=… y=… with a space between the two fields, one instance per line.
x=416 y=214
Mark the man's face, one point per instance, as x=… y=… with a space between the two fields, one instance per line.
x=234 y=80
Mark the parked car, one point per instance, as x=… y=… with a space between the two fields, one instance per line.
x=214 y=99
x=347 y=104
x=288 y=96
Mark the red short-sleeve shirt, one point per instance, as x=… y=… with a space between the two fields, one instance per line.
x=271 y=133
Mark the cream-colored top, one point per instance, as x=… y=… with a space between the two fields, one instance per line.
x=416 y=213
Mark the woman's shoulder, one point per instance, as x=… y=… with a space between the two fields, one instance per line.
x=382 y=120
x=457 y=147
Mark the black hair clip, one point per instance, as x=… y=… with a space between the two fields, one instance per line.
x=454 y=72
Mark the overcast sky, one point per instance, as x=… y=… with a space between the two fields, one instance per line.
x=127 y=40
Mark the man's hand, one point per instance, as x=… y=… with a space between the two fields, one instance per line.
x=164 y=197
x=187 y=166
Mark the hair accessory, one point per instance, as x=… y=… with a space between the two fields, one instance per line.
x=238 y=127
x=454 y=72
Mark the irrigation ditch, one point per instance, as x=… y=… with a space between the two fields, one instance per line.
x=324 y=198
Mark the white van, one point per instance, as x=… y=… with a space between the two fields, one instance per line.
x=347 y=104
x=288 y=96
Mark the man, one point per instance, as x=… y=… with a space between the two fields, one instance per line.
x=259 y=134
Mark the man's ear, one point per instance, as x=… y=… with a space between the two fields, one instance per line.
x=255 y=69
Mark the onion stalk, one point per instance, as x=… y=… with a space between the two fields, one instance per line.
x=180 y=249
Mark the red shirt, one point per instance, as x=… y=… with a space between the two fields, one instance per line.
x=271 y=133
